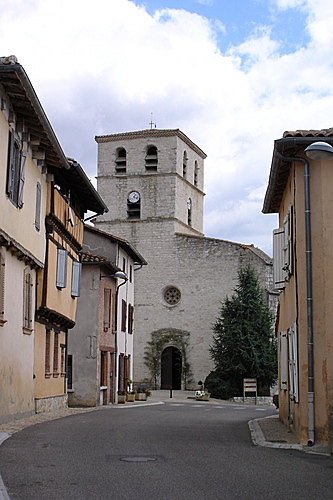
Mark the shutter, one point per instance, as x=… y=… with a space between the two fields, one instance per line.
x=61 y=268
x=2 y=286
x=10 y=166
x=130 y=318
x=107 y=307
x=123 y=315
x=278 y=258
x=76 y=279
x=283 y=360
x=293 y=365
x=38 y=205
x=21 y=179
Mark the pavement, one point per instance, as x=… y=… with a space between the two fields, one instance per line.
x=268 y=432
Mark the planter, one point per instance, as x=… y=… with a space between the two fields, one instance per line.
x=121 y=399
x=141 y=396
x=131 y=398
x=202 y=398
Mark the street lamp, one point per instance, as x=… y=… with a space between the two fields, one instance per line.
x=319 y=151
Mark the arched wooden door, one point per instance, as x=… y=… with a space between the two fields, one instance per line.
x=171 y=368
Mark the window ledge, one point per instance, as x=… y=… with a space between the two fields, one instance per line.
x=3 y=322
x=27 y=331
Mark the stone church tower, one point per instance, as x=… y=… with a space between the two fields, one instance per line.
x=152 y=181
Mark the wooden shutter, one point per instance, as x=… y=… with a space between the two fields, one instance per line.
x=130 y=318
x=123 y=315
x=2 y=287
x=21 y=179
x=293 y=363
x=62 y=268
x=278 y=258
x=38 y=205
x=283 y=360
x=76 y=279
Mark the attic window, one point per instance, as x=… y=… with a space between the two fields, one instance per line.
x=121 y=161
x=151 y=158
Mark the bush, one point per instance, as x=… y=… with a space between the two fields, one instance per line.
x=219 y=387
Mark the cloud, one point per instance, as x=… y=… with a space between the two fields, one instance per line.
x=103 y=67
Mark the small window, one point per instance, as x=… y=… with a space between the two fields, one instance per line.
x=151 y=159
x=62 y=268
x=27 y=302
x=63 y=359
x=107 y=308
x=76 y=279
x=15 y=172
x=38 y=205
x=121 y=161
x=130 y=274
x=189 y=212
x=184 y=164
x=70 y=371
x=2 y=289
x=196 y=173
x=172 y=295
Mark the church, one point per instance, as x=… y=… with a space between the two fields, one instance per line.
x=153 y=184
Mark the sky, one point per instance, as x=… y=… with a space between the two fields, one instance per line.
x=232 y=75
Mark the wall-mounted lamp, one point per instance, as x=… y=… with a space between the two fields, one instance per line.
x=319 y=151
x=118 y=274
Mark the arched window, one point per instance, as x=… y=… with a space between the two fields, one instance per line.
x=184 y=165
x=121 y=161
x=151 y=158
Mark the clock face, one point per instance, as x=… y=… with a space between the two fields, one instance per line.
x=134 y=197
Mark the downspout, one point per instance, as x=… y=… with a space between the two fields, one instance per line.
x=309 y=299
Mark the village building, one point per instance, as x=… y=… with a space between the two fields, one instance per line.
x=100 y=348
x=300 y=192
x=43 y=200
x=153 y=184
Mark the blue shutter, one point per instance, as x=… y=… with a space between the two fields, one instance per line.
x=62 y=268
x=21 y=179
x=76 y=279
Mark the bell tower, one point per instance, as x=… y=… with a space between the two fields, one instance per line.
x=152 y=182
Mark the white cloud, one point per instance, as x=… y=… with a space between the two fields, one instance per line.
x=103 y=67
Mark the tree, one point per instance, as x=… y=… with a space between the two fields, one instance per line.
x=243 y=343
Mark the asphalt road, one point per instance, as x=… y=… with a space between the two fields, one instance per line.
x=178 y=451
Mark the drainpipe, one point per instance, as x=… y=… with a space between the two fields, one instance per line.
x=308 y=292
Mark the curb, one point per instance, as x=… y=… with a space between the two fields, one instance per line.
x=258 y=438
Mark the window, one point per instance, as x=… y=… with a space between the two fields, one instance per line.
x=27 y=302
x=56 y=355
x=130 y=274
x=48 y=353
x=130 y=318
x=196 y=173
x=172 y=295
x=38 y=205
x=123 y=315
x=107 y=308
x=151 y=158
x=189 y=212
x=62 y=268
x=15 y=172
x=124 y=265
x=63 y=359
x=283 y=251
x=121 y=161
x=184 y=165
x=76 y=279
x=2 y=289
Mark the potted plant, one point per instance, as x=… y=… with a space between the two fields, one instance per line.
x=202 y=395
x=142 y=394
x=121 y=397
x=131 y=396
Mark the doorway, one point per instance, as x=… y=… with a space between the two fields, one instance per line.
x=171 y=368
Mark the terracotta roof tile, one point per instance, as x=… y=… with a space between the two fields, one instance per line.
x=326 y=132
x=89 y=257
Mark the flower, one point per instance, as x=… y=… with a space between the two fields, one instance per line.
x=142 y=390
x=199 y=394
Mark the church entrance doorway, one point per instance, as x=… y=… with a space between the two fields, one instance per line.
x=171 y=368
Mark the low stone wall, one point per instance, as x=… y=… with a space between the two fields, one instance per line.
x=261 y=400
x=51 y=403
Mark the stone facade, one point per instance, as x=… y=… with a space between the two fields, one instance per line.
x=178 y=294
